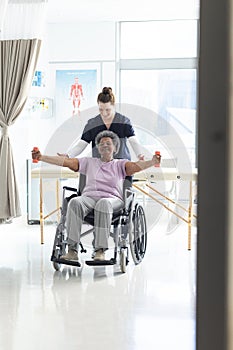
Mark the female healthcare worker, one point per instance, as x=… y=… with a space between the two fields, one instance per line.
x=107 y=119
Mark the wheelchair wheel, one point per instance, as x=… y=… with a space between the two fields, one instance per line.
x=123 y=260
x=59 y=247
x=138 y=239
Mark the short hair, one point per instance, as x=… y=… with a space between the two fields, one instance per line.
x=112 y=135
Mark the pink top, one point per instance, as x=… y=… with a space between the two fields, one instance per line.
x=103 y=180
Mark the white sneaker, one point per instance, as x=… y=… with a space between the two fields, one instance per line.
x=72 y=255
x=99 y=255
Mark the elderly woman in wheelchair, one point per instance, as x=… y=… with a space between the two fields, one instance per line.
x=102 y=196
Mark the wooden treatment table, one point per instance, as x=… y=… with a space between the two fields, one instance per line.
x=142 y=181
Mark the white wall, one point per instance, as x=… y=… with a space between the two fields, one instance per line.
x=86 y=41
x=82 y=41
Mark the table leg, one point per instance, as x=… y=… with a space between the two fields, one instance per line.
x=190 y=214
x=41 y=213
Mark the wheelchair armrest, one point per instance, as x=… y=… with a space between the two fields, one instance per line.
x=129 y=195
x=70 y=188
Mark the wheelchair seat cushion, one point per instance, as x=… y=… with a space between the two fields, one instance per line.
x=89 y=218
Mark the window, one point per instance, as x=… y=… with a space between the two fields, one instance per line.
x=160 y=75
x=158 y=39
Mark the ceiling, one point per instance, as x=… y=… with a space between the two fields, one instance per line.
x=117 y=10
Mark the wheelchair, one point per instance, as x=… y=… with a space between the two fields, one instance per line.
x=128 y=230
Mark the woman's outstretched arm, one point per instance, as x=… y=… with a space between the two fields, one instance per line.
x=71 y=163
x=134 y=167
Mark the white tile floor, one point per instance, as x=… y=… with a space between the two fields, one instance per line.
x=151 y=306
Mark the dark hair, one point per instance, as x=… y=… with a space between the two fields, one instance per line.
x=112 y=135
x=106 y=96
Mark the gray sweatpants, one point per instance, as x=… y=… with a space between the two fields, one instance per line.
x=79 y=207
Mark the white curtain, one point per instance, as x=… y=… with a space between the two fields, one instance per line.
x=21 y=25
x=22 y=19
x=3 y=7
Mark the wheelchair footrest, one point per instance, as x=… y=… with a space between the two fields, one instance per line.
x=100 y=262
x=66 y=262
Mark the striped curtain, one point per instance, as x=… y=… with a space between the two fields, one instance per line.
x=20 y=42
